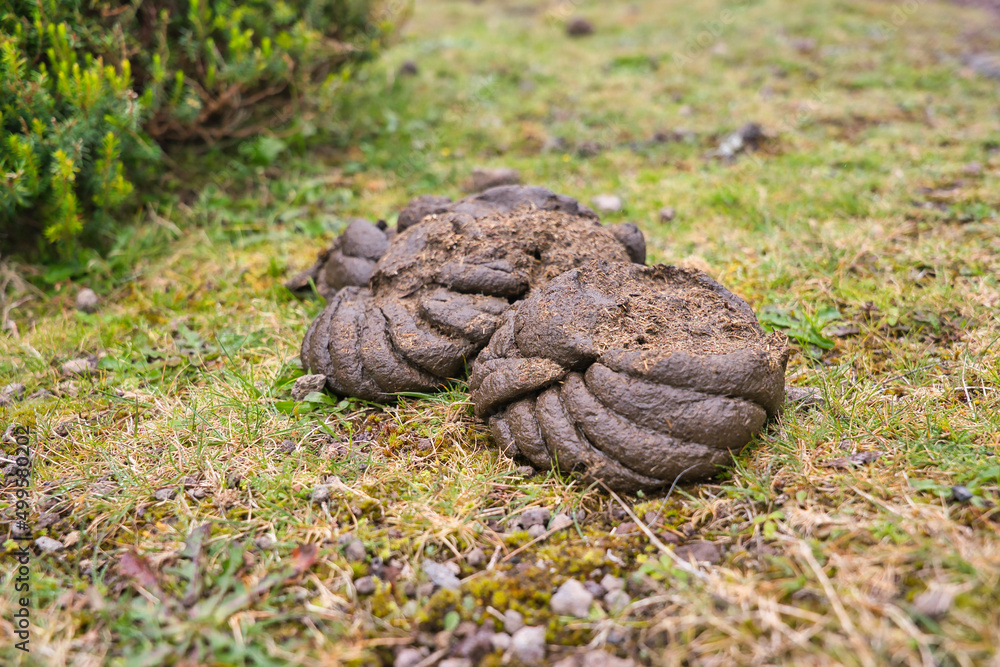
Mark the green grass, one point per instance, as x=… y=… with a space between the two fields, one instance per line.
x=860 y=212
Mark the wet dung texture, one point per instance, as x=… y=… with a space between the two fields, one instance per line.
x=439 y=289
x=348 y=262
x=632 y=375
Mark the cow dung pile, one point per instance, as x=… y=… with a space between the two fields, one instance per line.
x=593 y=362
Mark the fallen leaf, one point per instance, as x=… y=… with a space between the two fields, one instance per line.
x=137 y=568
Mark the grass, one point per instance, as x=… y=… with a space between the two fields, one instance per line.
x=865 y=226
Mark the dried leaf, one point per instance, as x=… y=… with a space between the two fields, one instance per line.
x=137 y=568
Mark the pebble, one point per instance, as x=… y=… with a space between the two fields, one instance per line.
x=12 y=392
x=409 y=68
x=364 y=585
x=595 y=588
x=560 y=521
x=572 y=599
x=484 y=178
x=320 y=494
x=667 y=214
x=87 y=301
x=287 y=446
x=165 y=494
x=306 y=385
x=264 y=542
x=48 y=545
x=612 y=583
x=500 y=641
x=961 y=494
x=476 y=557
x=536 y=516
x=616 y=601
x=804 y=398
x=512 y=621
x=528 y=645
x=455 y=662
x=536 y=532
x=608 y=203
x=441 y=575
x=408 y=657
x=579 y=27
x=80 y=367
x=355 y=551
x=704 y=552
x=525 y=471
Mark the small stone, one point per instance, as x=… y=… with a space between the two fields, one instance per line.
x=425 y=590
x=485 y=178
x=355 y=551
x=525 y=471
x=79 y=367
x=320 y=494
x=307 y=384
x=234 y=480
x=287 y=446
x=41 y=395
x=528 y=645
x=536 y=531
x=500 y=641
x=961 y=494
x=602 y=659
x=409 y=68
x=934 y=603
x=608 y=203
x=165 y=494
x=455 y=662
x=973 y=168
x=703 y=552
x=572 y=599
x=364 y=585
x=264 y=542
x=12 y=392
x=87 y=301
x=560 y=521
x=408 y=657
x=512 y=621
x=476 y=557
x=804 y=398
x=48 y=545
x=616 y=601
x=579 y=27
x=612 y=583
x=667 y=214
x=440 y=575
x=595 y=588
x=536 y=516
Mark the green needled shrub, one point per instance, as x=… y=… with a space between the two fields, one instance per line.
x=90 y=88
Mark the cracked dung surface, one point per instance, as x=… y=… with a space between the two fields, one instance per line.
x=437 y=293
x=631 y=375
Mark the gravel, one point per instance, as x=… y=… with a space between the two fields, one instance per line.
x=476 y=557
x=355 y=551
x=308 y=384
x=528 y=645
x=572 y=599
x=616 y=601
x=608 y=203
x=512 y=621
x=364 y=585
x=441 y=575
x=612 y=583
x=408 y=657
x=79 y=367
x=87 y=301
x=48 y=545
x=537 y=516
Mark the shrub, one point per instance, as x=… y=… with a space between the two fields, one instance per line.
x=90 y=89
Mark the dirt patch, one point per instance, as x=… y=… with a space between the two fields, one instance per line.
x=436 y=295
x=632 y=375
